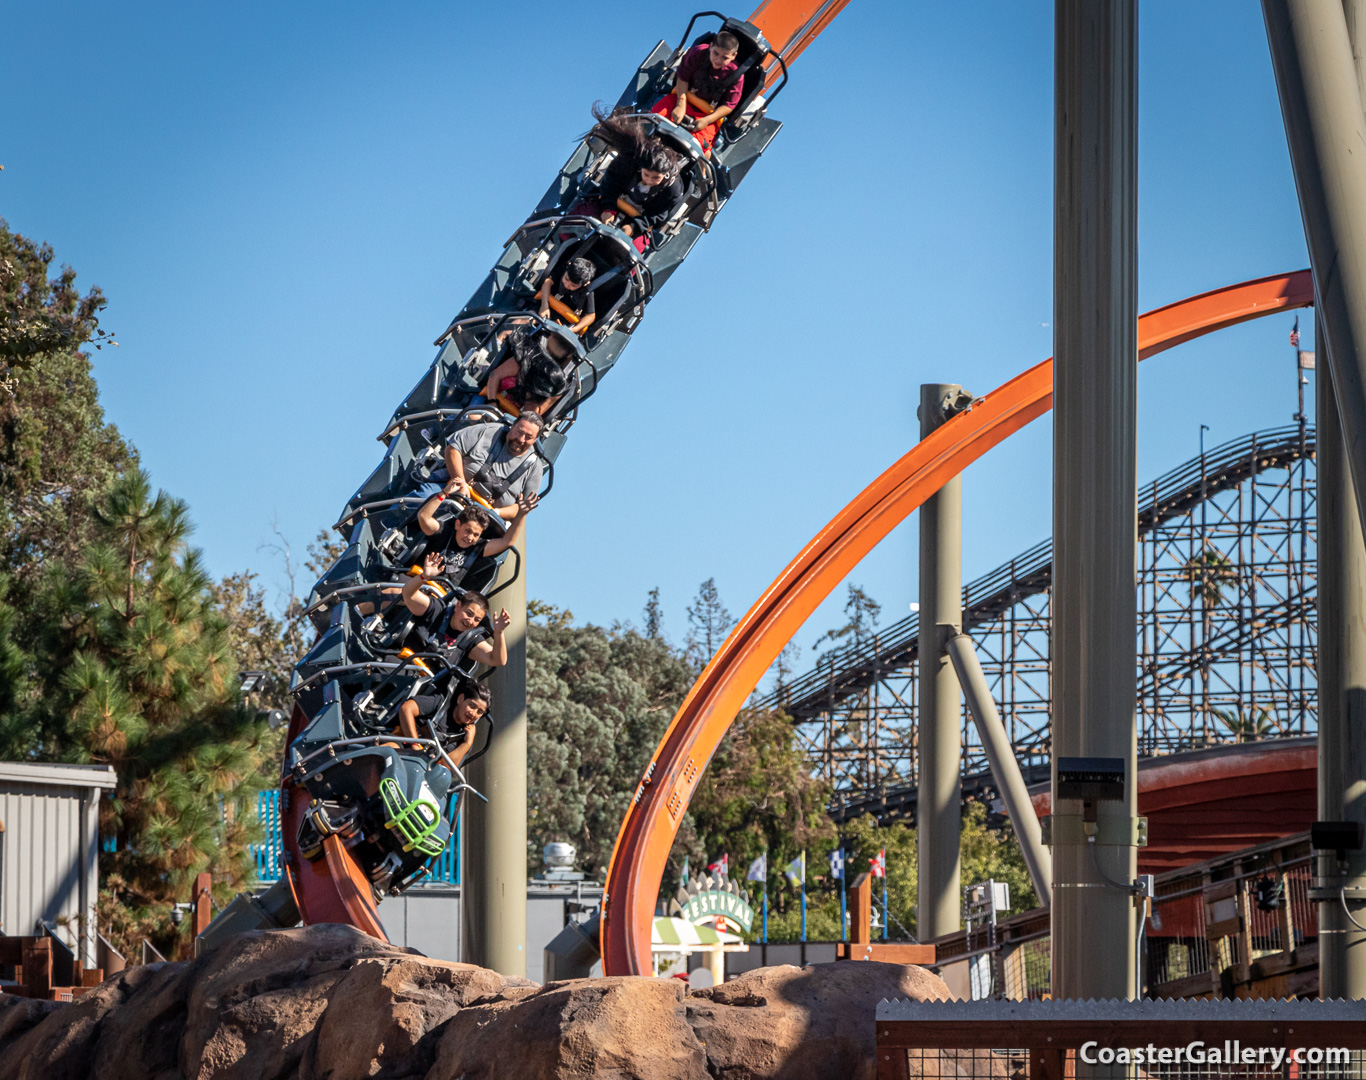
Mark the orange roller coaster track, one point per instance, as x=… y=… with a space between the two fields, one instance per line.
x=652 y=820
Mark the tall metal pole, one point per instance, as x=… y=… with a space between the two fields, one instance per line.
x=938 y=797
x=1326 y=131
x=1341 y=648
x=1094 y=603
x=493 y=883
x=1342 y=692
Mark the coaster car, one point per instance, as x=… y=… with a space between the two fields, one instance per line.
x=750 y=73
x=392 y=801
x=621 y=287
x=582 y=177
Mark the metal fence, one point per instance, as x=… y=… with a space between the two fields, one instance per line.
x=1173 y=1040
x=445 y=868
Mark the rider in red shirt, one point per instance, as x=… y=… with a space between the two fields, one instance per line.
x=705 y=75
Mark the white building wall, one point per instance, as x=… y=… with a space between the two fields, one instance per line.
x=49 y=850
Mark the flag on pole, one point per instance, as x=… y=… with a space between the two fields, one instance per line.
x=796 y=870
x=758 y=869
x=878 y=866
x=720 y=866
x=837 y=865
x=685 y=869
x=1295 y=334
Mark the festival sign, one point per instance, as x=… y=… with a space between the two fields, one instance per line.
x=705 y=899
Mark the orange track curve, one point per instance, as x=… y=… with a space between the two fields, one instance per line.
x=647 y=832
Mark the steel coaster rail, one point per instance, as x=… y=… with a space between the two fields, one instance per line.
x=847 y=670
x=652 y=818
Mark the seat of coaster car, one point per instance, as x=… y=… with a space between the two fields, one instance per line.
x=749 y=60
x=616 y=260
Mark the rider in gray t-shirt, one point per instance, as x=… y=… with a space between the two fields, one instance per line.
x=500 y=463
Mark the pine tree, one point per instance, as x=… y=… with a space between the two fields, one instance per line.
x=137 y=672
x=708 y=622
x=654 y=616
x=862 y=613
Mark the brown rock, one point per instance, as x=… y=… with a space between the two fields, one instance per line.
x=626 y=1028
x=140 y=1040
x=18 y=1014
x=255 y=1003
x=62 y=1045
x=382 y=1017
x=813 y=1022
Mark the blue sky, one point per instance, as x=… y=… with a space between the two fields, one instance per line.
x=286 y=203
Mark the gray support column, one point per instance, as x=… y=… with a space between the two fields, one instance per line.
x=494 y=876
x=1326 y=130
x=1094 y=603
x=1342 y=692
x=939 y=818
x=1005 y=770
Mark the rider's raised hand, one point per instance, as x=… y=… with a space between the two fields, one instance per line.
x=502 y=621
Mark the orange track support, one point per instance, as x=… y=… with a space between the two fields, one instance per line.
x=791 y=25
x=331 y=889
x=651 y=822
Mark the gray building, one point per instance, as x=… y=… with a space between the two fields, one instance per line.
x=49 y=850
x=427 y=918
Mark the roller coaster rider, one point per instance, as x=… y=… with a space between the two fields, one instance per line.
x=706 y=90
x=463 y=641
x=471 y=702
x=642 y=187
x=494 y=460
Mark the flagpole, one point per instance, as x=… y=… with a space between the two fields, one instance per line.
x=844 y=876
x=765 y=911
x=803 y=896
x=885 y=918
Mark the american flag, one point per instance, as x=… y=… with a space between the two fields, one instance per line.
x=1295 y=334
x=879 y=865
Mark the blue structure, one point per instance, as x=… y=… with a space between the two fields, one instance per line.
x=445 y=868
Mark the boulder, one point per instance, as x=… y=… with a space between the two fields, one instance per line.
x=382 y=1016
x=331 y=1003
x=787 y=1022
x=626 y=1028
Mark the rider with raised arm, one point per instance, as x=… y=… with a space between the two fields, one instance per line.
x=501 y=463
x=460 y=539
x=706 y=77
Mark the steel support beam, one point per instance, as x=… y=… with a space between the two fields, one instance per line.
x=939 y=813
x=1342 y=693
x=1095 y=313
x=494 y=876
x=1005 y=770
x=1326 y=131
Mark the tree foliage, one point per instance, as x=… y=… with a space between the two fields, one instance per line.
x=708 y=624
x=40 y=316
x=598 y=703
x=134 y=670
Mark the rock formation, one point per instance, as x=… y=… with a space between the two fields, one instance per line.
x=330 y=1003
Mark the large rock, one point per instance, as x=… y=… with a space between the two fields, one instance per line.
x=618 y=1027
x=330 y=1003
x=790 y=1022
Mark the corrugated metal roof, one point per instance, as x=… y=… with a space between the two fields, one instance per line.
x=87 y=776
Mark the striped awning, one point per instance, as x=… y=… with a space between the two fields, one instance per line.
x=680 y=932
